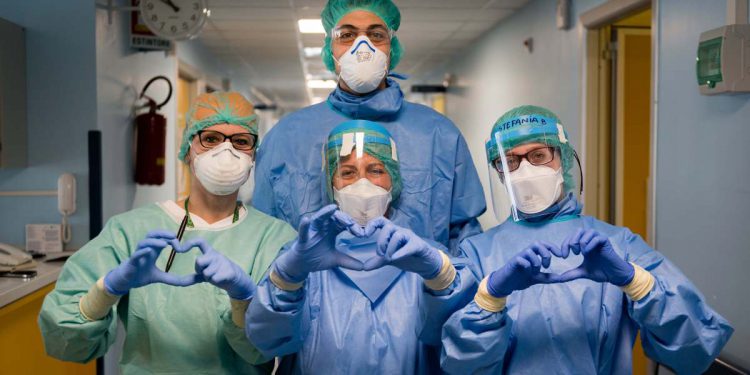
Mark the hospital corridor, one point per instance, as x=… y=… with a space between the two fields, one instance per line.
x=374 y=187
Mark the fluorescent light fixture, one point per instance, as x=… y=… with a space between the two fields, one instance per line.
x=313 y=51
x=311 y=26
x=321 y=84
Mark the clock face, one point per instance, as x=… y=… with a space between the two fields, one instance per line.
x=174 y=19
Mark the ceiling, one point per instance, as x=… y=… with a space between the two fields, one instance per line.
x=259 y=41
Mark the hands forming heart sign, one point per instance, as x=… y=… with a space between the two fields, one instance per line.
x=402 y=248
x=600 y=263
x=315 y=249
x=140 y=269
x=212 y=266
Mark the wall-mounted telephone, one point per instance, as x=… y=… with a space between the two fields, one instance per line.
x=66 y=202
x=11 y=256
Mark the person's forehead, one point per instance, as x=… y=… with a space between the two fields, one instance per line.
x=360 y=19
x=527 y=147
x=227 y=129
x=365 y=159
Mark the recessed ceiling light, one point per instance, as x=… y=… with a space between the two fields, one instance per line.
x=311 y=26
x=321 y=84
x=313 y=51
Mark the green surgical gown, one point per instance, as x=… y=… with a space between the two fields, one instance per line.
x=168 y=329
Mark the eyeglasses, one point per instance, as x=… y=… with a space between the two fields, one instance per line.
x=346 y=34
x=537 y=156
x=240 y=141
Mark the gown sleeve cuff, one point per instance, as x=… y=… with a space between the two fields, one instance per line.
x=96 y=304
x=643 y=282
x=281 y=284
x=486 y=301
x=445 y=277
x=239 y=307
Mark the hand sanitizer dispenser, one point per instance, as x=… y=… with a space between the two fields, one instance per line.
x=723 y=61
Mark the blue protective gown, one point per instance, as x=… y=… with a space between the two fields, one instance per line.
x=355 y=322
x=582 y=326
x=441 y=196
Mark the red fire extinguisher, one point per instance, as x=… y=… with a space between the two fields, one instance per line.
x=150 y=139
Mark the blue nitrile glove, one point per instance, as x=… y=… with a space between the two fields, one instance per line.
x=600 y=261
x=402 y=248
x=524 y=270
x=218 y=270
x=140 y=269
x=315 y=247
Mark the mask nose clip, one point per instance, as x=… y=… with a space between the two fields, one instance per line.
x=362 y=40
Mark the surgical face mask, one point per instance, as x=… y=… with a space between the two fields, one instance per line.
x=363 y=200
x=222 y=169
x=363 y=66
x=535 y=187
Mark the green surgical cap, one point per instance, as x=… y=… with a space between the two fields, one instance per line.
x=216 y=108
x=336 y=9
x=531 y=124
x=378 y=144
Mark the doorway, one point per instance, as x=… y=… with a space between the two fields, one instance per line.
x=632 y=114
x=618 y=154
x=618 y=129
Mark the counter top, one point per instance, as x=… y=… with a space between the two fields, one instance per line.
x=13 y=289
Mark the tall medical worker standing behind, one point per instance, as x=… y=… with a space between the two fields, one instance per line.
x=441 y=195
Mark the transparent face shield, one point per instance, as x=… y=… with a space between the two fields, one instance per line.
x=360 y=168
x=533 y=171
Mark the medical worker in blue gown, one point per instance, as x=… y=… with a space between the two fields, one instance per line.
x=563 y=292
x=441 y=195
x=349 y=295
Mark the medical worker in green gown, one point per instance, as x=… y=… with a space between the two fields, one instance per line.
x=190 y=319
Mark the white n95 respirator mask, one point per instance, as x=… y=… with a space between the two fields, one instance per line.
x=363 y=66
x=363 y=200
x=535 y=187
x=222 y=169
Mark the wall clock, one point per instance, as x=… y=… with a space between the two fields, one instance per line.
x=174 y=19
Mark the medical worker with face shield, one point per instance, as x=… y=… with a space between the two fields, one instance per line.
x=347 y=296
x=564 y=292
x=441 y=195
x=191 y=319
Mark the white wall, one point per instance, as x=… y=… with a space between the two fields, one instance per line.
x=497 y=73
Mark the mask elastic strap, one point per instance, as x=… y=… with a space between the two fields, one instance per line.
x=338 y=76
x=396 y=75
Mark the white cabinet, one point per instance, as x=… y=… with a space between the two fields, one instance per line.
x=13 y=129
